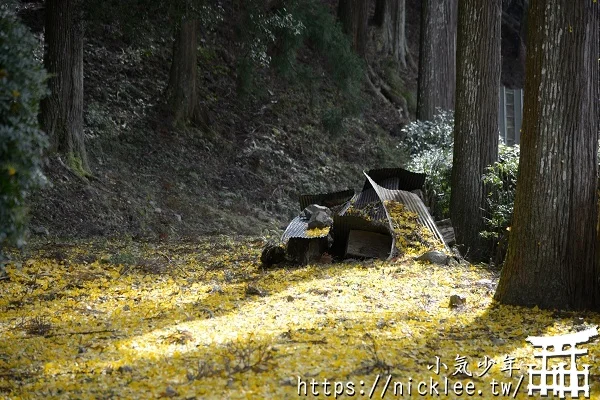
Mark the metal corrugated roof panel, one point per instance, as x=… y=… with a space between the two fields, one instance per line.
x=396 y=179
x=412 y=202
x=298 y=228
x=326 y=199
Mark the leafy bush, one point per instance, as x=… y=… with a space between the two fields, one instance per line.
x=430 y=145
x=21 y=142
x=422 y=136
x=437 y=164
x=501 y=183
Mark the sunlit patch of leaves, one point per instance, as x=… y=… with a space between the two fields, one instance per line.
x=181 y=337
x=141 y=335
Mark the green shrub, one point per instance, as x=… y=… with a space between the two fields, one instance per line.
x=21 y=142
x=500 y=183
x=430 y=145
x=421 y=136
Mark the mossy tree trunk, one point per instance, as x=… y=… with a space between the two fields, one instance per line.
x=551 y=254
x=354 y=15
x=437 y=58
x=62 y=111
x=182 y=92
x=476 y=119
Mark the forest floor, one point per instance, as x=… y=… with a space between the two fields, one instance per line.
x=123 y=295
x=115 y=320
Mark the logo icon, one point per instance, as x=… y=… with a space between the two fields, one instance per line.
x=571 y=380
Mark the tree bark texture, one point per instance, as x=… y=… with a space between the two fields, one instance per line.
x=476 y=119
x=354 y=16
x=437 y=58
x=551 y=254
x=62 y=111
x=182 y=92
x=393 y=24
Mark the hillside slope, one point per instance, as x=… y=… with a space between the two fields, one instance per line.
x=241 y=172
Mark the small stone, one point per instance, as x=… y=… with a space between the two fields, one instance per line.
x=457 y=300
x=434 y=257
x=40 y=230
x=126 y=307
x=169 y=392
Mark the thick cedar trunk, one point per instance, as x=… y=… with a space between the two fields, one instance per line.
x=476 y=118
x=182 y=90
x=393 y=29
x=550 y=260
x=62 y=111
x=354 y=15
x=437 y=61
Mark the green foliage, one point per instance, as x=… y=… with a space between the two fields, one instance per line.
x=276 y=39
x=422 y=136
x=501 y=183
x=22 y=85
x=430 y=145
x=258 y=33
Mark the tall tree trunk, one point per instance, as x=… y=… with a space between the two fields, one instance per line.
x=550 y=261
x=62 y=111
x=182 y=91
x=393 y=29
x=437 y=61
x=354 y=15
x=476 y=118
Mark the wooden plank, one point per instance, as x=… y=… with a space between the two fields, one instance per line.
x=364 y=244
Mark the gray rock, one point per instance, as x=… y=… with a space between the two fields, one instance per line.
x=314 y=208
x=434 y=257
x=318 y=216
x=457 y=300
x=320 y=220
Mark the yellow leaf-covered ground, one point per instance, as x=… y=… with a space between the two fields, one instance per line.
x=204 y=320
